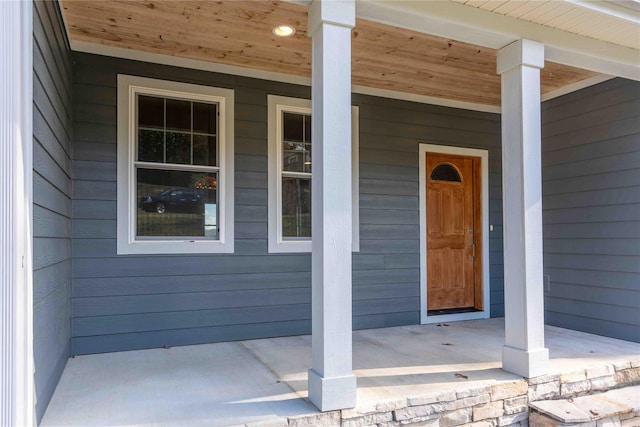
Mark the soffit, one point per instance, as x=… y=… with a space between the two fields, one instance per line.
x=238 y=33
x=612 y=22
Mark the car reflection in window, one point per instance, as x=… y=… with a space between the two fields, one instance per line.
x=173 y=200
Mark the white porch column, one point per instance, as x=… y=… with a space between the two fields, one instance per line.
x=17 y=395
x=519 y=65
x=332 y=384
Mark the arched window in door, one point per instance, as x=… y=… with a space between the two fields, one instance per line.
x=445 y=172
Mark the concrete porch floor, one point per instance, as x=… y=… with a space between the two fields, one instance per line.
x=264 y=381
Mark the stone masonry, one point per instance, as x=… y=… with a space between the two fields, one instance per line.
x=584 y=382
x=615 y=408
x=498 y=405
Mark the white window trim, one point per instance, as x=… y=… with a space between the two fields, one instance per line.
x=278 y=104
x=128 y=87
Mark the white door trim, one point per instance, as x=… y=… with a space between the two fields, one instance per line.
x=486 y=294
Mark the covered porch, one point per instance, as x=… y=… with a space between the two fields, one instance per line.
x=427 y=77
x=399 y=371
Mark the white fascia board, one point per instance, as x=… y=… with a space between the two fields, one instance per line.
x=483 y=28
x=434 y=18
x=627 y=69
x=611 y=8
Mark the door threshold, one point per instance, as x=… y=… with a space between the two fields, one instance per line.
x=452 y=311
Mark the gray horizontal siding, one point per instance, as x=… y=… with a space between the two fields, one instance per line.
x=52 y=187
x=127 y=302
x=172 y=337
x=591 y=190
x=390 y=133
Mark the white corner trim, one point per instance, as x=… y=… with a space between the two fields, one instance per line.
x=276 y=105
x=582 y=84
x=486 y=284
x=128 y=87
x=17 y=406
x=155 y=58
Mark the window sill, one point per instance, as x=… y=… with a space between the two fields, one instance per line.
x=292 y=246
x=172 y=247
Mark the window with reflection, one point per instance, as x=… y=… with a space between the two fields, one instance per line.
x=176 y=168
x=290 y=174
x=296 y=175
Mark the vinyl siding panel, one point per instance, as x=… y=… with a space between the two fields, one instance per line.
x=52 y=196
x=591 y=209
x=139 y=301
x=189 y=336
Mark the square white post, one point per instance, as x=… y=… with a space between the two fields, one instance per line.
x=519 y=65
x=17 y=388
x=332 y=384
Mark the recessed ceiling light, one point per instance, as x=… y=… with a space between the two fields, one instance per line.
x=283 y=31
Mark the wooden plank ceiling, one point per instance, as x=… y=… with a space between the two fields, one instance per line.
x=239 y=33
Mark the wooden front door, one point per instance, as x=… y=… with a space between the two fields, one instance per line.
x=453 y=232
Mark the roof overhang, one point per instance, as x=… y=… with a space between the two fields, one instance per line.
x=438 y=52
x=472 y=25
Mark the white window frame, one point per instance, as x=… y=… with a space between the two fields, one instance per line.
x=128 y=88
x=276 y=106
